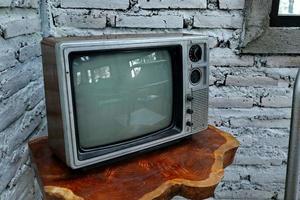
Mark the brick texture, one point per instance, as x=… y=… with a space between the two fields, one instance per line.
x=250 y=95
x=231 y=4
x=155 y=4
x=167 y=21
x=104 y=4
x=22 y=109
x=218 y=20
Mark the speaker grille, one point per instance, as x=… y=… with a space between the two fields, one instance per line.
x=200 y=107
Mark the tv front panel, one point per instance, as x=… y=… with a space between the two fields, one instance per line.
x=108 y=97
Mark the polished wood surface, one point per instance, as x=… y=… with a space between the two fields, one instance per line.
x=191 y=168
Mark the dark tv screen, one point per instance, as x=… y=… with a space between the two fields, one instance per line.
x=121 y=95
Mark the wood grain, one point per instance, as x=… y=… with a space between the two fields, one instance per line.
x=191 y=168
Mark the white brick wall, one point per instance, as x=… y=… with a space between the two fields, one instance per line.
x=166 y=21
x=78 y=21
x=231 y=4
x=19 y=3
x=226 y=57
x=218 y=20
x=15 y=26
x=5 y=3
x=103 y=4
x=250 y=95
x=154 y=4
x=22 y=110
x=255 y=81
x=7 y=58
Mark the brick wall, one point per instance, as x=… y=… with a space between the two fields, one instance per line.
x=250 y=95
x=22 y=107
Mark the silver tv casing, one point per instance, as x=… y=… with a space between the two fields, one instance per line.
x=64 y=143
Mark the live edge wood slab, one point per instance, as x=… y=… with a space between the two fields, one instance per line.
x=191 y=168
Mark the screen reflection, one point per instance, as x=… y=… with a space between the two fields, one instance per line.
x=121 y=95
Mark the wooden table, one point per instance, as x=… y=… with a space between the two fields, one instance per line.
x=192 y=168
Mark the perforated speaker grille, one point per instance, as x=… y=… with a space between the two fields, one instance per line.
x=200 y=107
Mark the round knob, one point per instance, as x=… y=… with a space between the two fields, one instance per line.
x=188 y=123
x=189 y=111
x=189 y=97
x=195 y=53
x=195 y=76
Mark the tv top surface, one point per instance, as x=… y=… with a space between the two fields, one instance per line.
x=55 y=40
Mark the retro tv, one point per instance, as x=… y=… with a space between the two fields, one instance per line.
x=111 y=96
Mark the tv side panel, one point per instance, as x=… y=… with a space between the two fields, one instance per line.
x=53 y=104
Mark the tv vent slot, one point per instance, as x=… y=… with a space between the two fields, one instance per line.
x=200 y=108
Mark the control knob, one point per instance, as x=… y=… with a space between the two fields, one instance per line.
x=195 y=53
x=189 y=111
x=189 y=97
x=188 y=123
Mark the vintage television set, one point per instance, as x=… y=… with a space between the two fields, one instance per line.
x=111 y=96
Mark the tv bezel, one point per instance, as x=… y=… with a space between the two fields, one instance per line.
x=62 y=50
x=174 y=127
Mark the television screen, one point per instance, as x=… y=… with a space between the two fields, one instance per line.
x=121 y=95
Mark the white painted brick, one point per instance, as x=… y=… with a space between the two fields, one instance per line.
x=18 y=77
x=231 y=175
x=218 y=20
x=260 y=156
x=36 y=95
x=277 y=101
x=13 y=80
x=257 y=81
x=166 y=21
x=10 y=163
x=259 y=137
x=231 y=102
x=25 y=3
x=11 y=113
x=29 y=51
x=238 y=174
x=16 y=27
x=221 y=34
x=283 y=61
x=269 y=123
x=15 y=43
x=103 y=4
x=17 y=133
x=22 y=185
x=231 y=4
x=154 y=4
x=268 y=175
x=14 y=107
x=254 y=113
x=226 y=57
x=19 y=3
x=7 y=58
x=242 y=194
x=5 y=3
x=283 y=74
x=86 y=21
x=255 y=92
x=283 y=83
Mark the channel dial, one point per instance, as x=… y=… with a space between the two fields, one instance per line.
x=195 y=53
